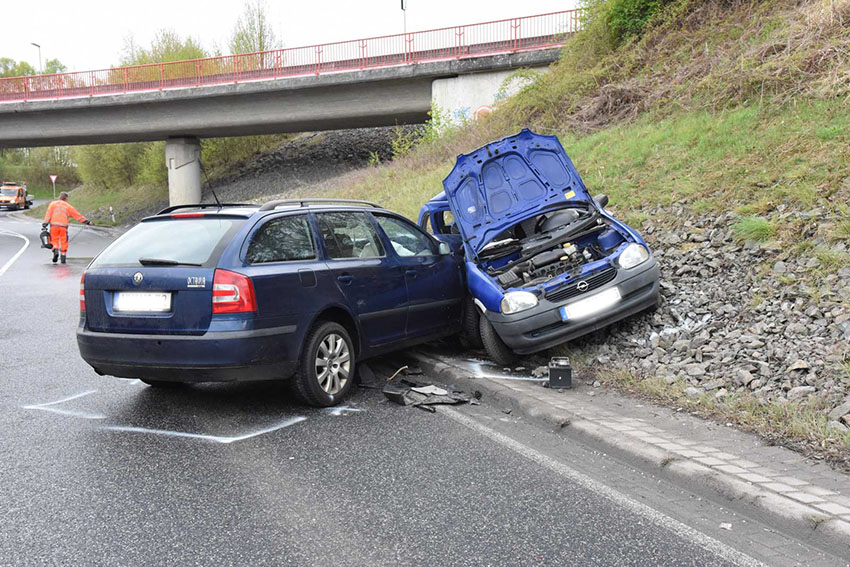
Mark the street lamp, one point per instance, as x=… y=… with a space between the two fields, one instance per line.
x=40 y=70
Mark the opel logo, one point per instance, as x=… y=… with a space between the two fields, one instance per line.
x=581 y=286
x=138 y=277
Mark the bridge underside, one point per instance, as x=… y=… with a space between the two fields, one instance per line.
x=375 y=97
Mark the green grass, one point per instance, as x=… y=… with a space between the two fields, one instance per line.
x=757 y=229
x=750 y=159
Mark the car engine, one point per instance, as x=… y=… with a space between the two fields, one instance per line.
x=538 y=249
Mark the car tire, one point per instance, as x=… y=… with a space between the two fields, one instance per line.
x=471 y=333
x=496 y=349
x=161 y=383
x=328 y=346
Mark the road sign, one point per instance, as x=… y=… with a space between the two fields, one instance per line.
x=53 y=178
x=53 y=181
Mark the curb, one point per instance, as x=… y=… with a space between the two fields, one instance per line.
x=776 y=509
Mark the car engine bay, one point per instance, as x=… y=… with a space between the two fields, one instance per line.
x=545 y=246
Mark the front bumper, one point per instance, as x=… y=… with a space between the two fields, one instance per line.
x=264 y=354
x=541 y=327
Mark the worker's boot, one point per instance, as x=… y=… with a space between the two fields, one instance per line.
x=63 y=258
x=55 y=256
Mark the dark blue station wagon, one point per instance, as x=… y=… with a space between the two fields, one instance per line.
x=294 y=288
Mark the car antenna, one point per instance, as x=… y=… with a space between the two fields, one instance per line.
x=204 y=171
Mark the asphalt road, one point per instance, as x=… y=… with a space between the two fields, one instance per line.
x=97 y=470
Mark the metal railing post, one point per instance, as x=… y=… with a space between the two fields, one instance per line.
x=26 y=89
x=237 y=70
x=91 y=83
x=161 y=76
x=198 y=73
x=126 y=80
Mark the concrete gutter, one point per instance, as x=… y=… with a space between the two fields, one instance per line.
x=803 y=507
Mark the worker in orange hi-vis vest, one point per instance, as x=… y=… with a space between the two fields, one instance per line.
x=57 y=217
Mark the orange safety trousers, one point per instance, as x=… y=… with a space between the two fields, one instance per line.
x=59 y=238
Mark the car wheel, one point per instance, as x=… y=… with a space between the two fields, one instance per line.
x=471 y=334
x=496 y=349
x=161 y=383
x=326 y=370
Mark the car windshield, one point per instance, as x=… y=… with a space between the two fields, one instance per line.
x=170 y=242
x=8 y=192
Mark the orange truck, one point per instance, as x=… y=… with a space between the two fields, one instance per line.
x=13 y=196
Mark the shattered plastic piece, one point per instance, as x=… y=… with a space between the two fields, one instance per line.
x=726 y=526
x=408 y=393
x=430 y=389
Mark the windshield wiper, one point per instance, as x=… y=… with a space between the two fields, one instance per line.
x=164 y=262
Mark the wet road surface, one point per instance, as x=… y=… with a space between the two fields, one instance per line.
x=97 y=470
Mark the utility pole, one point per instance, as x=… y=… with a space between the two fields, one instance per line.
x=404 y=11
x=40 y=69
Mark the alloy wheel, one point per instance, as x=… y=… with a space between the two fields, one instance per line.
x=333 y=363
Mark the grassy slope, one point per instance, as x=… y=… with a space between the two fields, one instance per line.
x=738 y=105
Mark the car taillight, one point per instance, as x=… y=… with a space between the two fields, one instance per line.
x=83 y=293
x=232 y=293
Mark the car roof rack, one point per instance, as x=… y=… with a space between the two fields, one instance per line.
x=204 y=206
x=271 y=205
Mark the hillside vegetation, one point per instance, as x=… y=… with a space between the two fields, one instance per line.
x=721 y=130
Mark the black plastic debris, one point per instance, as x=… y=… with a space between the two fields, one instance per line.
x=410 y=393
x=367 y=377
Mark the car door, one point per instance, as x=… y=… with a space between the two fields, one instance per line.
x=288 y=277
x=371 y=280
x=434 y=282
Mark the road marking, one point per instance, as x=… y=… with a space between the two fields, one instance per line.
x=682 y=530
x=26 y=240
x=81 y=414
x=216 y=438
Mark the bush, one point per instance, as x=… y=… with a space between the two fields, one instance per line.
x=628 y=18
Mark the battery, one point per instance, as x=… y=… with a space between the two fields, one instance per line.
x=560 y=372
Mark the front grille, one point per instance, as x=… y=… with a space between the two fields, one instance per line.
x=593 y=281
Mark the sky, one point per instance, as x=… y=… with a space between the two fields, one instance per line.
x=91 y=34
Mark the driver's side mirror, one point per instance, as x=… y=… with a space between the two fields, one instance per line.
x=444 y=249
x=601 y=200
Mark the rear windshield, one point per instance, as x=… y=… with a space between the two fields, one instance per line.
x=185 y=241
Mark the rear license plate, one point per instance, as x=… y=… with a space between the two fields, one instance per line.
x=590 y=305
x=141 y=302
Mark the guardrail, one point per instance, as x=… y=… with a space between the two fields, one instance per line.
x=503 y=36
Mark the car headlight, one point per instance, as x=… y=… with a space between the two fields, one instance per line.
x=516 y=301
x=633 y=255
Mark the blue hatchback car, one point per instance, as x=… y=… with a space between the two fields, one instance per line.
x=299 y=288
x=545 y=262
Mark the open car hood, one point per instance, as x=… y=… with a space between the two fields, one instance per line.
x=508 y=181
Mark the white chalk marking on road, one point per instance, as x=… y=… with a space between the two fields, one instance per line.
x=216 y=438
x=11 y=261
x=81 y=414
x=63 y=400
x=72 y=413
x=342 y=410
x=682 y=530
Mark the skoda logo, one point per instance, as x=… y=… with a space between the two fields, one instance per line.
x=138 y=277
x=581 y=286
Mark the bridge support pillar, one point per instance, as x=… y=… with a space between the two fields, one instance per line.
x=183 y=160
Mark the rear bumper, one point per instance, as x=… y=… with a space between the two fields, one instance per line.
x=264 y=354
x=541 y=327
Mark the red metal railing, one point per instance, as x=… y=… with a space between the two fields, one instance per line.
x=504 y=36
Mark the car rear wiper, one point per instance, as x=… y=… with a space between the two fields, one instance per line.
x=164 y=262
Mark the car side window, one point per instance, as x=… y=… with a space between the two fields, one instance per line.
x=406 y=240
x=349 y=235
x=282 y=240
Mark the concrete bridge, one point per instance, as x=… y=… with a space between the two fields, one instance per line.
x=372 y=82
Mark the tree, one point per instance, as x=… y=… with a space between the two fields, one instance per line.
x=166 y=46
x=12 y=68
x=54 y=66
x=253 y=31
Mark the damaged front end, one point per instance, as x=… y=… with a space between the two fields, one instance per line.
x=545 y=261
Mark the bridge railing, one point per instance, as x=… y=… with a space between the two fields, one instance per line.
x=474 y=40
